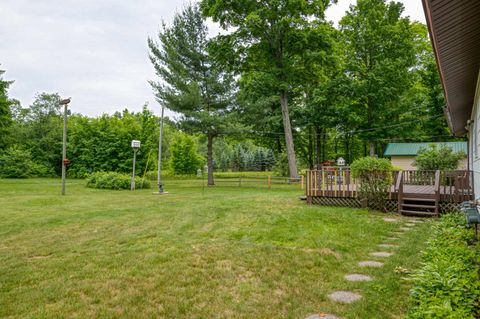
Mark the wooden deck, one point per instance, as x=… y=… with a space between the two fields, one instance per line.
x=435 y=186
x=414 y=190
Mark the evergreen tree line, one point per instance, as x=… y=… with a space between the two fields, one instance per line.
x=244 y=157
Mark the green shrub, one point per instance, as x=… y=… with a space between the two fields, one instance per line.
x=16 y=163
x=113 y=180
x=433 y=158
x=375 y=176
x=184 y=159
x=447 y=285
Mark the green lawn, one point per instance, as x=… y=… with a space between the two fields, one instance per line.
x=223 y=252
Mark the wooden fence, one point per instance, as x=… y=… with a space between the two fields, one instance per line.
x=267 y=181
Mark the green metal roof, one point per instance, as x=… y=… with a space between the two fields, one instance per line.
x=411 y=149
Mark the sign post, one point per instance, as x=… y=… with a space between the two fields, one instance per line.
x=135 y=146
x=65 y=160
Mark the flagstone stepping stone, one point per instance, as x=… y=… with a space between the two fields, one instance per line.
x=409 y=225
x=323 y=316
x=344 y=296
x=390 y=220
x=416 y=221
x=392 y=238
x=404 y=229
x=381 y=254
x=388 y=245
x=370 y=263
x=357 y=277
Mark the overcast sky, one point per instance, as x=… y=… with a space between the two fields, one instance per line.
x=94 y=50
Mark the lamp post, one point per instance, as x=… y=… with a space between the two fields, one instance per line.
x=65 y=161
x=135 y=146
x=159 y=168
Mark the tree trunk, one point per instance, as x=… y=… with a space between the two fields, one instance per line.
x=324 y=145
x=310 y=147
x=318 y=146
x=210 y=159
x=292 y=163
x=347 y=149
x=372 y=148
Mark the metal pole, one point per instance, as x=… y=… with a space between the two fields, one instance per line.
x=159 y=171
x=64 y=148
x=132 y=184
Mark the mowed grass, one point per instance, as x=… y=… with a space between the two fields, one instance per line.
x=224 y=252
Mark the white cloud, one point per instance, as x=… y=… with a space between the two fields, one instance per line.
x=93 y=50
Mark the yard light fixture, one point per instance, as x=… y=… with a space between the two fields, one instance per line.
x=65 y=160
x=135 y=146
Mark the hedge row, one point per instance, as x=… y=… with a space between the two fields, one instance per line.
x=112 y=180
x=447 y=285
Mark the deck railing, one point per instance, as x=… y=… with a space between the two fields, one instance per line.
x=451 y=186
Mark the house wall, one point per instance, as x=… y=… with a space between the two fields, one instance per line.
x=474 y=142
x=406 y=163
x=403 y=162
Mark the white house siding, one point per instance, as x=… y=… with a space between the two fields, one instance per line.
x=474 y=142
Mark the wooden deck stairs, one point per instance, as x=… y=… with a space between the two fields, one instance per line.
x=418 y=203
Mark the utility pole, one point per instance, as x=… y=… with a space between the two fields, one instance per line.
x=159 y=170
x=64 y=147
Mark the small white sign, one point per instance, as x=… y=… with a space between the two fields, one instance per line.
x=135 y=144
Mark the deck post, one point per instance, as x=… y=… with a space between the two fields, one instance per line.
x=399 y=189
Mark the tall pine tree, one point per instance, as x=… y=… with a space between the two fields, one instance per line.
x=190 y=81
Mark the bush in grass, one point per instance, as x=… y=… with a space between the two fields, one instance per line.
x=18 y=163
x=441 y=158
x=113 y=180
x=184 y=159
x=375 y=176
x=447 y=285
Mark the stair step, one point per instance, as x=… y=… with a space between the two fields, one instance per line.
x=419 y=213
x=418 y=199
x=418 y=206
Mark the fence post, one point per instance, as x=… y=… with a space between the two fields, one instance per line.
x=269 y=182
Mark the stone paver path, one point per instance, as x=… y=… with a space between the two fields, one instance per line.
x=381 y=254
x=323 y=316
x=416 y=221
x=348 y=296
x=357 y=277
x=344 y=296
x=370 y=263
x=388 y=245
x=392 y=238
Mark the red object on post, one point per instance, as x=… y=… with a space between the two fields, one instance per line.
x=66 y=161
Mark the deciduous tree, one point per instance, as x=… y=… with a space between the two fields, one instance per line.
x=268 y=38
